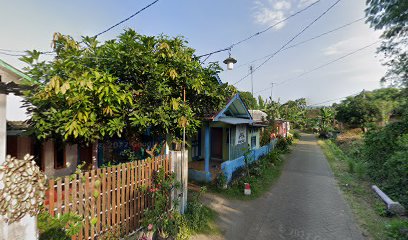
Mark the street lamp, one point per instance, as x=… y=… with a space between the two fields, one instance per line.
x=230 y=62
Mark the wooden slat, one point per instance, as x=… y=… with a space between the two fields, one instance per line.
x=51 y=196
x=127 y=194
x=86 y=208
x=104 y=177
x=137 y=195
x=67 y=194
x=109 y=198
x=74 y=198
x=132 y=197
x=98 y=201
x=59 y=197
x=118 y=202
x=123 y=195
x=81 y=198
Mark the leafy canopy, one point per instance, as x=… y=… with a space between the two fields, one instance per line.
x=391 y=16
x=124 y=86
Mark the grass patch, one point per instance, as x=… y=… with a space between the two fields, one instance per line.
x=366 y=206
x=200 y=218
x=263 y=173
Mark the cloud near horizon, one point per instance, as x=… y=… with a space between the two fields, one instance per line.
x=271 y=12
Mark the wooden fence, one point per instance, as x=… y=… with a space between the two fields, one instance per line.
x=107 y=198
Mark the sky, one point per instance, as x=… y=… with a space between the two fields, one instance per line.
x=215 y=24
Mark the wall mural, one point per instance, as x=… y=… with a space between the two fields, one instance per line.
x=240 y=134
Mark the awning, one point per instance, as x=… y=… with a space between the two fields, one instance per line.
x=234 y=121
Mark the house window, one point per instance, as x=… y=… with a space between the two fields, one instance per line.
x=59 y=155
x=253 y=142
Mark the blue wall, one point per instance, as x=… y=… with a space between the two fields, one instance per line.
x=229 y=167
x=199 y=176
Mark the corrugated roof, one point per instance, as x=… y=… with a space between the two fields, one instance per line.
x=235 y=121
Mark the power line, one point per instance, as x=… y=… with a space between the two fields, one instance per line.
x=260 y=32
x=335 y=99
x=291 y=40
x=305 y=41
x=324 y=65
x=95 y=36
x=126 y=19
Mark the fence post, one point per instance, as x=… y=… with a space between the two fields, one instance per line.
x=181 y=171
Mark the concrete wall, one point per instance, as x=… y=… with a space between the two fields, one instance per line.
x=71 y=156
x=229 y=167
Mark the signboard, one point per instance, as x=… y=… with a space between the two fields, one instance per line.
x=240 y=134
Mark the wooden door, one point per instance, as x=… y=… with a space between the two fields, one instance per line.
x=85 y=155
x=216 y=143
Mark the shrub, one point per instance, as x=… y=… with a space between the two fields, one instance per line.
x=197 y=214
x=386 y=154
x=296 y=135
x=62 y=227
x=398 y=229
x=282 y=144
x=221 y=180
x=289 y=139
x=160 y=215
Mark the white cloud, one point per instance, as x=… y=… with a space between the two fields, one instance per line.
x=348 y=45
x=304 y=3
x=271 y=12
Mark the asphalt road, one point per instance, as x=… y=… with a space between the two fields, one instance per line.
x=305 y=203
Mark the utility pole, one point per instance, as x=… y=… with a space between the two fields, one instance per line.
x=272 y=91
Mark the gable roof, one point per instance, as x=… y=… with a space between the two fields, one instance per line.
x=235 y=112
x=7 y=67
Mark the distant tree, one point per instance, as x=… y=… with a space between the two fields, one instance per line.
x=326 y=118
x=357 y=111
x=261 y=103
x=295 y=112
x=249 y=100
x=272 y=109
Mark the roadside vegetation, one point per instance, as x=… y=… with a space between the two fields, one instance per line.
x=366 y=144
x=259 y=174
x=369 y=210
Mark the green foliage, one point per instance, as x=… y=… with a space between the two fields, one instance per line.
x=249 y=100
x=296 y=134
x=160 y=215
x=92 y=91
x=391 y=17
x=221 y=181
x=282 y=144
x=261 y=103
x=266 y=136
x=198 y=215
x=398 y=229
x=393 y=175
x=326 y=118
x=370 y=107
x=294 y=112
x=62 y=227
x=262 y=174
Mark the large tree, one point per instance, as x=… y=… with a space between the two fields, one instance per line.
x=128 y=85
x=249 y=100
x=391 y=16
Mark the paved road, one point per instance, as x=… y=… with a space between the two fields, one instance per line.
x=305 y=203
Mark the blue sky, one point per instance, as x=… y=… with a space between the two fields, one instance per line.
x=214 y=24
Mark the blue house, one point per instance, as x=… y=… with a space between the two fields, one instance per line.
x=222 y=142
